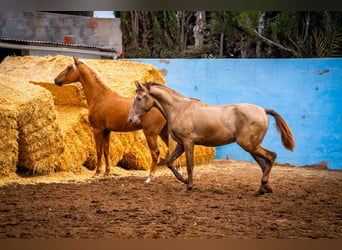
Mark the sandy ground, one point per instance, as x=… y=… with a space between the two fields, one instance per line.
x=306 y=203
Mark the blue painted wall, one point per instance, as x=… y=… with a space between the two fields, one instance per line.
x=306 y=92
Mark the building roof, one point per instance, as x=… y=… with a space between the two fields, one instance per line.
x=49 y=43
x=6 y=42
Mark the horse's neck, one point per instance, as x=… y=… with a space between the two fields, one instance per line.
x=92 y=83
x=169 y=104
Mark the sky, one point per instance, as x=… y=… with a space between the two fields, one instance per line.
x=104 y=14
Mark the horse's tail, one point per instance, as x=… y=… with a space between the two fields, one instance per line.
x=283 y=129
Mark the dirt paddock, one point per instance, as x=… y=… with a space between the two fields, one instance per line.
x=306 y=203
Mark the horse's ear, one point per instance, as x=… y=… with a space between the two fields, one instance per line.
x=75 y=60
x=138 y=85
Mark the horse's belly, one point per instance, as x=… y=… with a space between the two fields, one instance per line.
x=215 y=143
x=218 y=138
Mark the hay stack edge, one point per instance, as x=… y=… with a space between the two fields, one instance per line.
x=45 y=128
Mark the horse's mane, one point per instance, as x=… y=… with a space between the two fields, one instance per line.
x=162 y=86
x=96 y=74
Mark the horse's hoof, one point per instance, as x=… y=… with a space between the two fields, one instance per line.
x=189 y=188
x=96 y=175
x=149 y=179
x=268 y=189
x=106 y=174
x=261 y=191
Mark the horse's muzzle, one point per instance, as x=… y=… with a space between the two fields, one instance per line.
x=133 y=120
x=58 y=82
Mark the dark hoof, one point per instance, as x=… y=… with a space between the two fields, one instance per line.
x=268 y=189
x=264 y=189
x=259 y=192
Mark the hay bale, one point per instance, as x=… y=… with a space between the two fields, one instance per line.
x=9 y=149
x=129 y=150
x=119 y=75
x=137 y=154
x=39 y=140
x=42 y=71
x=78 y=140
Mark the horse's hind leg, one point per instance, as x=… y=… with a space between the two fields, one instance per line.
x=265 y=159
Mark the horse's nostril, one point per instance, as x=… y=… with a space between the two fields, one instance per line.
x=58 y=82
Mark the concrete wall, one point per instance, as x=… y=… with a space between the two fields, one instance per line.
x=32 y=25
x=306 y=92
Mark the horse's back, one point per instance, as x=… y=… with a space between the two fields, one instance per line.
x=239 y=111
x=250 y=111
x=216 y=125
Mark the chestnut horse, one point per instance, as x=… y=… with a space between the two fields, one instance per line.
x=192 y=122
x=108 y=111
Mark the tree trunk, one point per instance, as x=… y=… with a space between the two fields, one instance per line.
x=183 y=19
x=146 y=28
x=221 y=44
x=306 y=25
x=135 y=27
x=199 y=30
x=261 y=26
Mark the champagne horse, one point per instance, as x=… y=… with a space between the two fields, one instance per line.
x=108 y=111
x=193 y=122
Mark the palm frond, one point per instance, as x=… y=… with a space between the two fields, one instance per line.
x=320 y=44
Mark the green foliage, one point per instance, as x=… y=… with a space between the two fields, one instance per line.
x=220 y=22
x=328 y=37
x=157 y=34
x=328 y=45
x=247 y=19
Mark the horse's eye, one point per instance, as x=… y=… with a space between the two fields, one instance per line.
x=138 y=98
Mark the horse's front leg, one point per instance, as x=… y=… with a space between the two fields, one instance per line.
x=98 y=135
x=172 y=145
x=153 y=146
x=106 y=142
x=174 y=156
x=189 y=154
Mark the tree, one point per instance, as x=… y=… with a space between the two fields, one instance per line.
x=244 y=34
x=150 y=33
x=183 y=18
x=220 y=23
x=279 y=30
x=199 y=30
x=261 y=26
